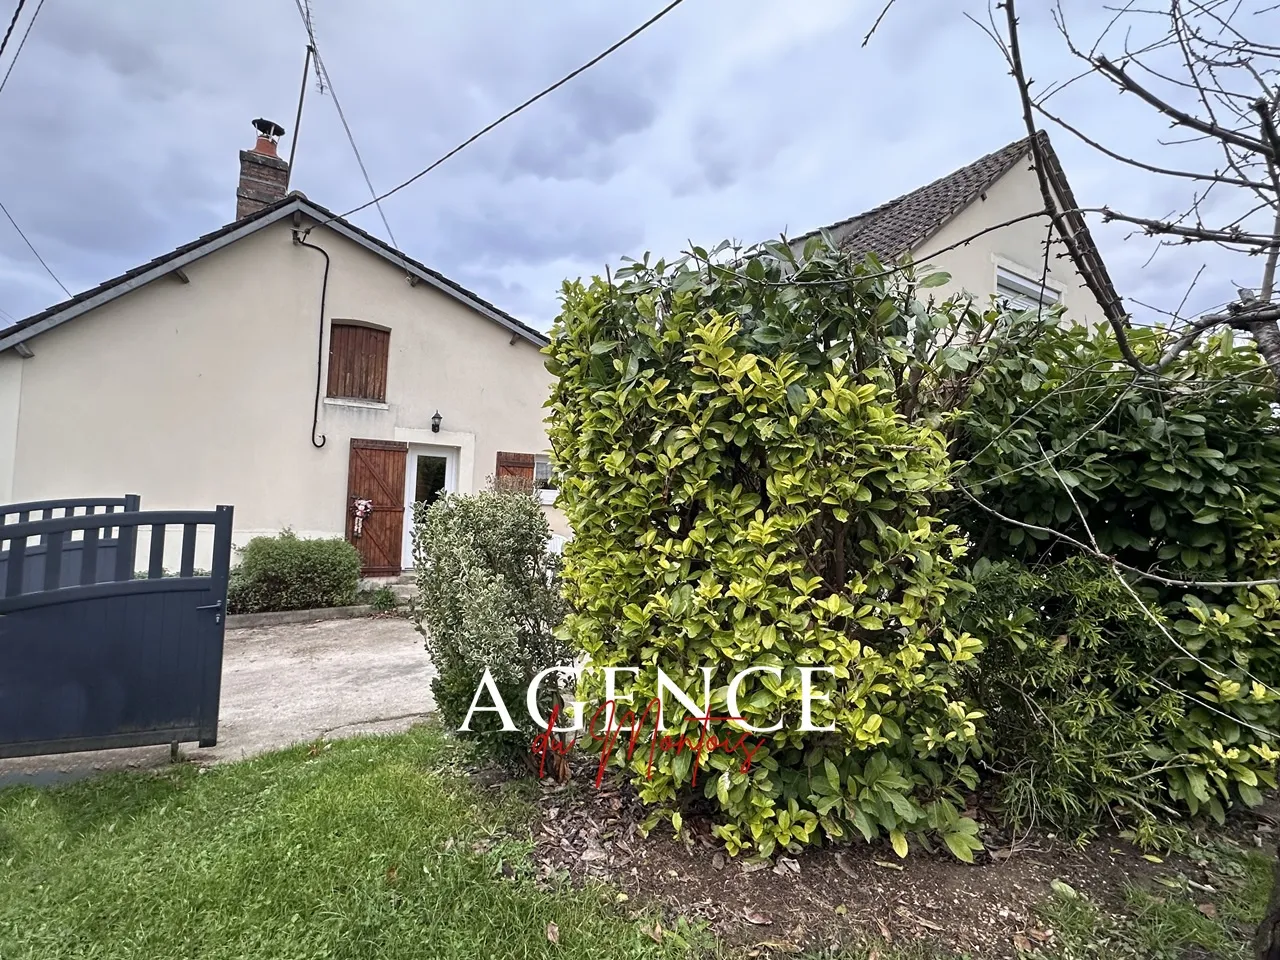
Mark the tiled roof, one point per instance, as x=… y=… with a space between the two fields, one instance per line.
x=121 y=283
x=900 y=225
x=903 y=224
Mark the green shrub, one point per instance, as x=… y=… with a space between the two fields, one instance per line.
x=289 y=573
x=383 y=600
x=1092 y=705
x=488 y=596
x=745 y=489
x=1067 y=681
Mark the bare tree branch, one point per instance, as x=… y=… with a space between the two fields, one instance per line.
x=1114 y=312
x=876 y=26
x=1180 y=117
x=1152 y=227
x=1106 y=557
x=1150 y=168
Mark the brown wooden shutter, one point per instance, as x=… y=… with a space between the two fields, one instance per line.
x=514 y=471
x=377 y=472
x=358 y=362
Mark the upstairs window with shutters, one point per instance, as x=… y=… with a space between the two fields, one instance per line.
x=358 y=362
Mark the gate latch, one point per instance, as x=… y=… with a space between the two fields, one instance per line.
x=216 y=605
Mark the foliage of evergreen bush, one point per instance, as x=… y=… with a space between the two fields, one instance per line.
x=488 y=596
x=766 y=456
x=1093 y=705
x=744 y=490
x=288 y=572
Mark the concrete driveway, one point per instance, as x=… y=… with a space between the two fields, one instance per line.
x=283 y=685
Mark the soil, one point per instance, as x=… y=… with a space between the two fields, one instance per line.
x=826 y=897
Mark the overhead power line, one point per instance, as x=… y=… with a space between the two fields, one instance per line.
x=21 y=43
x=528 y=103
x=17 y=11
x=32 y=248
x=322 y=74
x=17 y=53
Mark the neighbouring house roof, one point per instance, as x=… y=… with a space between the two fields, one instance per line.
x=294 y=203
x=903 y=224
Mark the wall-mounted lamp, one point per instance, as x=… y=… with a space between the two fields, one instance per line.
x=435 y=423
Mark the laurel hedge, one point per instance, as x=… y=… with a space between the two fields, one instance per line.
x=778 y=458
x=1136 y=696
x=743 y=492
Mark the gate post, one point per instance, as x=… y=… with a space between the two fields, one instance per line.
x=219 y=573
x=128 y=536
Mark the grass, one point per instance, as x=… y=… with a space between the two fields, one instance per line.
x=375 y=847
x=1172 y=920
x=383 y=599
x=382 y=847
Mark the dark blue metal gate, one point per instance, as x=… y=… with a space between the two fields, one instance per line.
x=92 y=656
x=72 y=550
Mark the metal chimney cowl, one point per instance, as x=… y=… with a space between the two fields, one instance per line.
x=263 y=175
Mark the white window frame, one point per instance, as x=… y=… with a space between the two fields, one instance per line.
x=1027 y=291
x=548 y=494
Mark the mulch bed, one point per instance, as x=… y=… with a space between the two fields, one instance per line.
x=823 y=897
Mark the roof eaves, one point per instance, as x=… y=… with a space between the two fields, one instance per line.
x=436 y=279
x=1006 y=156
x=117 y=286
x=1089 y=252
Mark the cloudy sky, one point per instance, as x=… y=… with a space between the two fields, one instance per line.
x=730 y=118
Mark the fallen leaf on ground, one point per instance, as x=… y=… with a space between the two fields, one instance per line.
x=656 y=933
x=717 y=862
x=1004 y=853
x=1044 y=936
x=841 y=910
x=1021 y=943
x=843 y=864
x=753 y=866
x=887 y=865
x=1063 y=889
x=553 y=933
x=1152 y=857
x=790 y=864
x=759 y=919
x=1208 y=909
x=885 y=931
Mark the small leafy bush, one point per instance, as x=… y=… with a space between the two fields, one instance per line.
x=383 y=600
x=288 y=572
x=1068 y=681
x=488 y=596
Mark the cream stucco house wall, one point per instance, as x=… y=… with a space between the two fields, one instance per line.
x=204 y=378
x=956 y=214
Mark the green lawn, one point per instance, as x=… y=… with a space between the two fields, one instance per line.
x=383 y=848
x=344 y=854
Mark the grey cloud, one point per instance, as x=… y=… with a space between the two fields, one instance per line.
x=122 y=122
x=490 y=234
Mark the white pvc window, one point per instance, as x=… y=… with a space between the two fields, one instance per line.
x=543 y=479
x=1023 y=293
x=541 y=472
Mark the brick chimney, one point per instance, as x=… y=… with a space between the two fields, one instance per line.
x=263 y=175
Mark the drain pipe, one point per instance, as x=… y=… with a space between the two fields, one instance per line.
x=324 y=292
